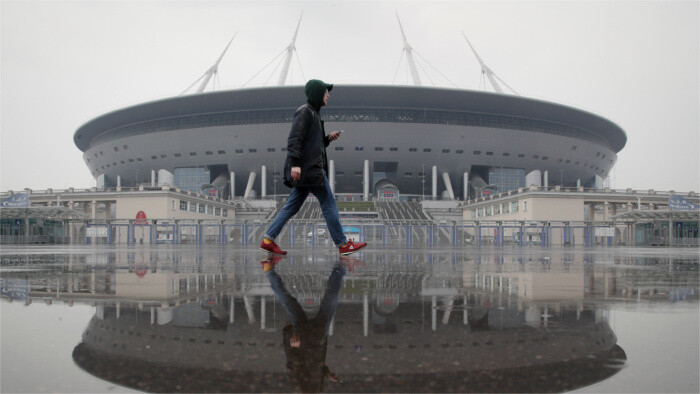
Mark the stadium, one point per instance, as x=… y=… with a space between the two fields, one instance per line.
x=399 y=140
x=403 y=131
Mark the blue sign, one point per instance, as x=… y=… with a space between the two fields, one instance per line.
x=351 y=230
x=680 y=203
x=17 y=289
x=19 y=200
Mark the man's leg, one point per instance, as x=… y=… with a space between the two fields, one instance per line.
x=290 y=208
x=291 y=305
x=330 y=212
x=329 y=302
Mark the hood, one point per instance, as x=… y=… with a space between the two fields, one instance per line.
x=315 y=89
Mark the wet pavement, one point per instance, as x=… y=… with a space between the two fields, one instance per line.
x=206 y=319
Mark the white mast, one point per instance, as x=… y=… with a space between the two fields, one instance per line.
x=409 y=55
x=211 y=71
x=487 y=71
x=288 y=59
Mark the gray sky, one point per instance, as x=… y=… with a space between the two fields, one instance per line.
x=635 y=63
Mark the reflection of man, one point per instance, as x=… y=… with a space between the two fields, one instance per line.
x=306 y=340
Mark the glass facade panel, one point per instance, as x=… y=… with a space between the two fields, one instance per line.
x=506 y=179
x=191 y=178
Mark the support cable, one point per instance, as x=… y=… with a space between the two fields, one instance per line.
x=420 y=64
x=303 y=77
x=397 y=67
x=273 y=71
x=262 y=69
x=438 y=71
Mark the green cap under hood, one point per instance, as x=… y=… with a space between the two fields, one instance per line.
x=315 y=89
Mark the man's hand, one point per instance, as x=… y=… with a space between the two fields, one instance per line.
x=296 y=173
x=295 y=341
x=334 y=135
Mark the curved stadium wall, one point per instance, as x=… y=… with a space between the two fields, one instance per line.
x=402 y=130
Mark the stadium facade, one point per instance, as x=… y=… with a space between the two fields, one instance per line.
x=422 y=140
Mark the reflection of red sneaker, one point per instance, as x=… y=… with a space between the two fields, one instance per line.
x=269 y=264
x=351 y=263
x=351 y=247
x=271 y=247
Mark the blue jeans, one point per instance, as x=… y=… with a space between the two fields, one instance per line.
x=329 y=302
x=296 y=199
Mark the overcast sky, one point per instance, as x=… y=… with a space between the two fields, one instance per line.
x=65 y=62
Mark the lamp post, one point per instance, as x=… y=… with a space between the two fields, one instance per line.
x=561 y=177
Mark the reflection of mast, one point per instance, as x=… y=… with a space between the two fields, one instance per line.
x=213 y=70
x=409 y=55
x=288 y=59
x=487 y=71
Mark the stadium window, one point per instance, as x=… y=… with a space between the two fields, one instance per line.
x=408 y=174
x=393 y=149
x=378 y=148
x=339 y=148
x=122 y=161
x=358 y=173
x=202 y=208
x=139 y=159
x=545 y=157
x=358 y=148
x=221 y=152
x=506 y=154
x=339 y=173
x=413 y=149
x=107 y=166
x=421 y=174
x=217 y=211
x=125 y=147
x=103 y=167
x=445 y=151
x=193 y=153
x=576 y=163
x=283 y=149
x=208 y=153
x=270 y=149
x=88 y=160
x=568 y=161
x=116 y=149
x=573 y=147
x=193 y=206
x=560 y=160
x=210 y=210
x=95 y=154
x=459 y=151
x=114 y=164
x=535 y=157
x=183 y=205
x=239 y=150
x=177 y=155
x=602 y=157
x=225 y=213
x=597 y=154
x=489 y=153
x=426 y=150
x=477 y=152
x=163 y=156
x=252 y=150
x=102 y=153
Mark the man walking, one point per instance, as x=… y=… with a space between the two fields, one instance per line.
x=305 y=170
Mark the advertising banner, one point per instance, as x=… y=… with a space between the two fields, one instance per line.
x=18 y=200
x=680 y=203
x=96 y=232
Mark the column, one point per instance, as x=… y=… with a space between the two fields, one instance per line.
x=448 y=185
x=546 y=178
x=262 y=312
x=434 y=179
x=263 y=182
x=232 y=184
x=153 y=178
x=465 y=185
x=331 y=175
x=249 y=186
x=606 y=207
x=231 y=310
x=365 y=181
x=365 y=313
x=591 y=212
x=93 y=209
x=119 y=181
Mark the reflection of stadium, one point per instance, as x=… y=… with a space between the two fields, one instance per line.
x=202 y=320
x=402 y=131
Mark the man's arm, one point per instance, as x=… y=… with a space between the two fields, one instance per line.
x=295 y=141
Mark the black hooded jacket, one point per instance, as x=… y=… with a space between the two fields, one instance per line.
x=307 y=141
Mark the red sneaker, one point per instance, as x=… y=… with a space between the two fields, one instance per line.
x=351 y=247
x=271 y=248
